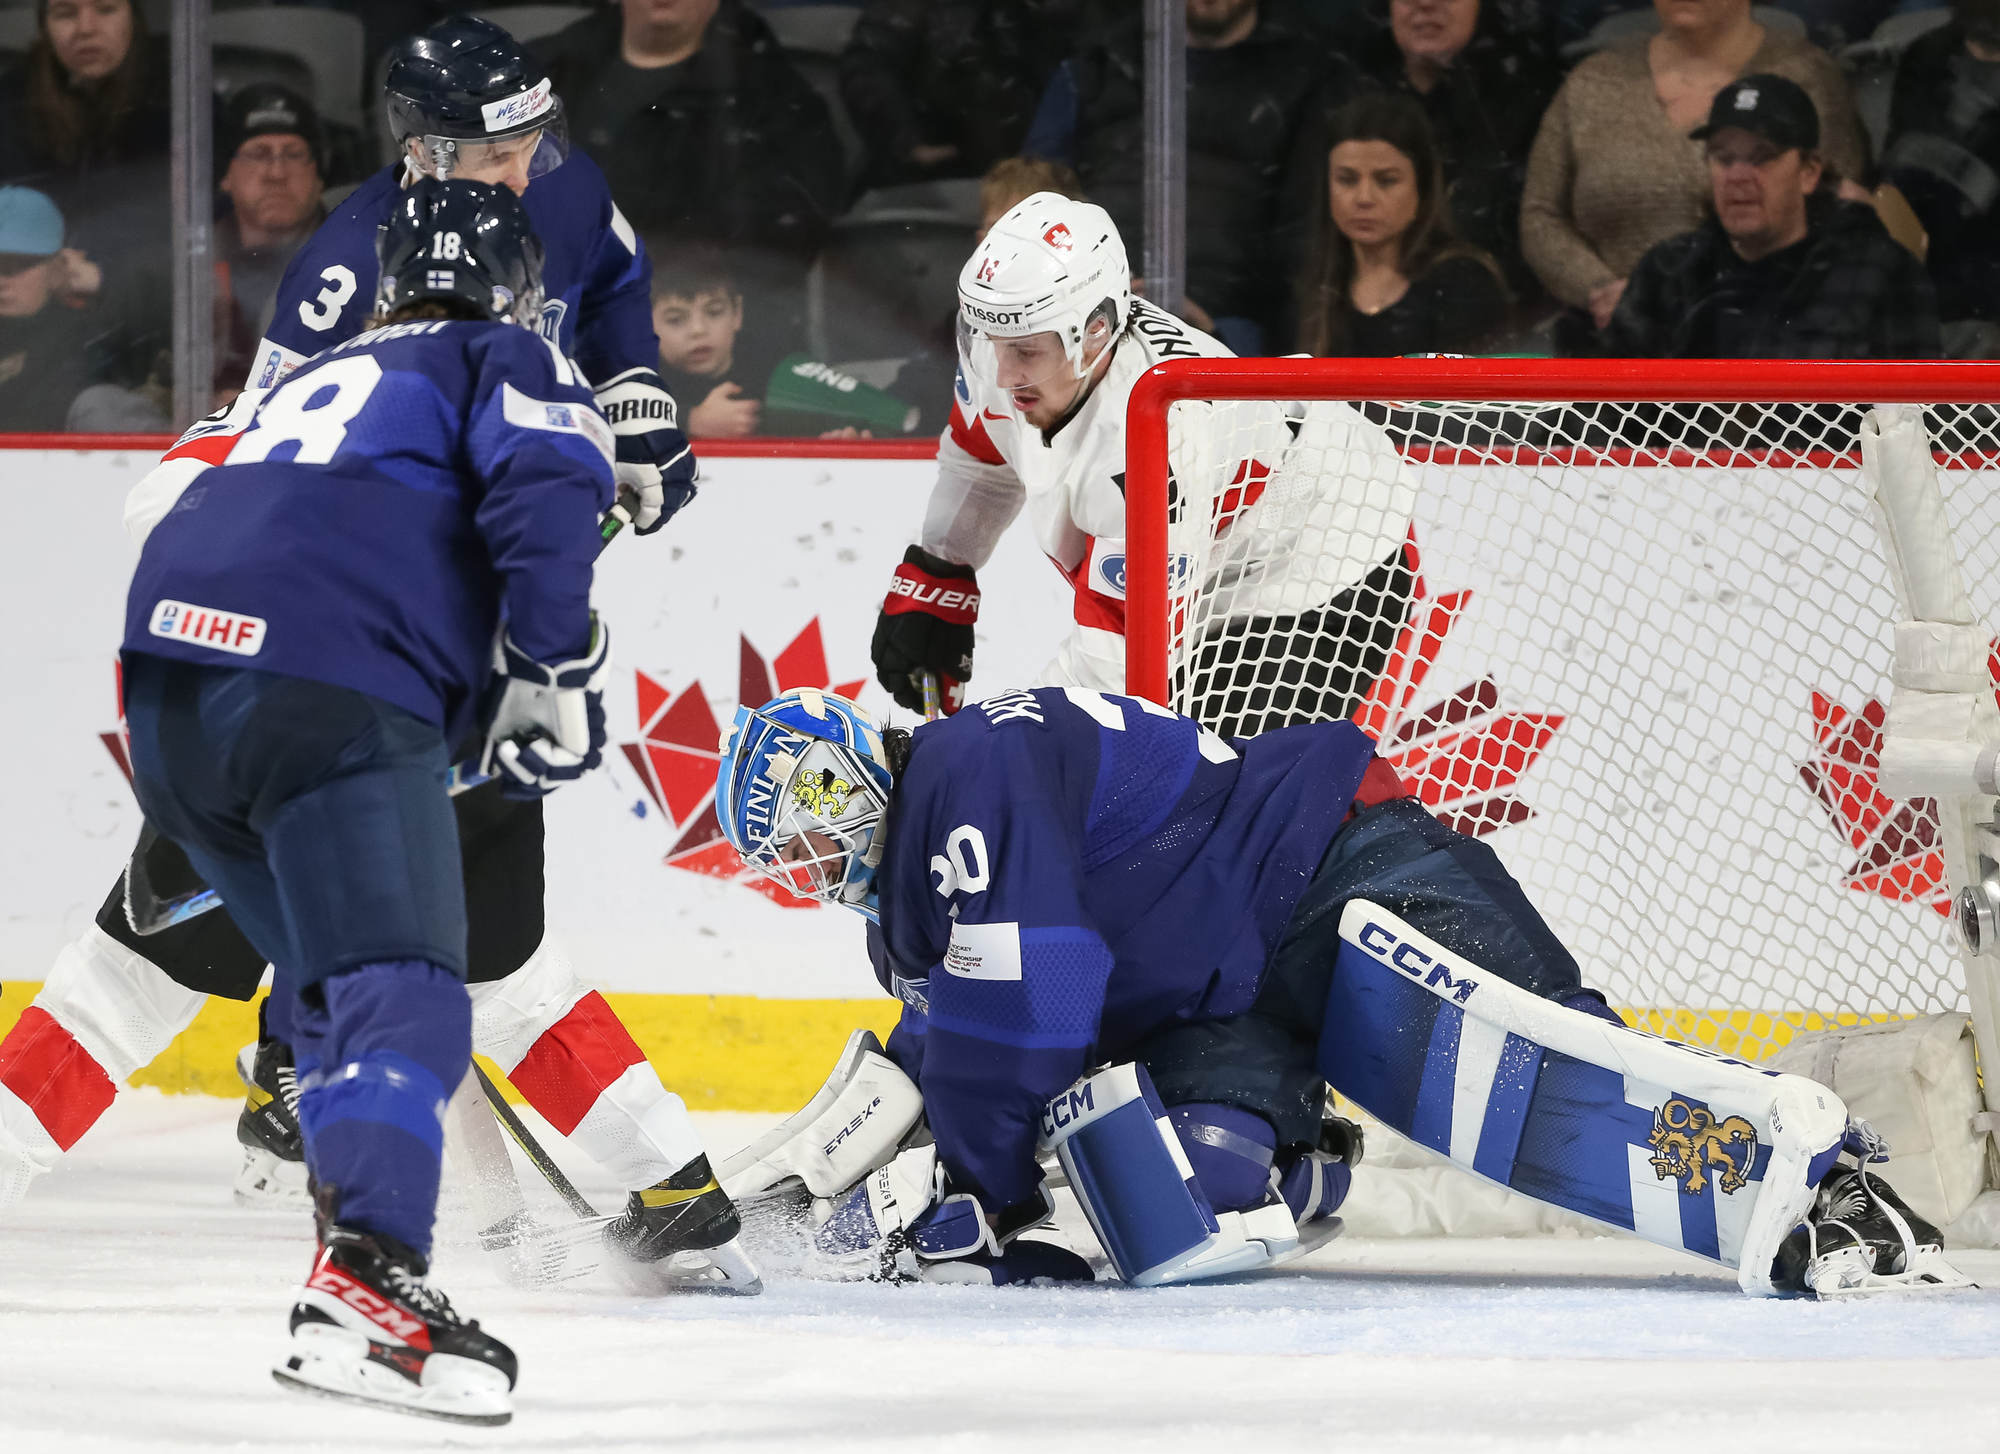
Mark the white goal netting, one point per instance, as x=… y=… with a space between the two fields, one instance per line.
x=1643 y=648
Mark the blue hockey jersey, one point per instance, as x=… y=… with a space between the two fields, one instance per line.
x=597 y=277
x=383 y=507
x=1068 y=872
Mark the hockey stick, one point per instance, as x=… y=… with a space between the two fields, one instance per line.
x=532 y=1149
x=149 y=914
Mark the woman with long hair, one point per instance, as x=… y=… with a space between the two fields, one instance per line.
x=1385 y=272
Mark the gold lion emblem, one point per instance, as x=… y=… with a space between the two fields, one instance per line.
x=822 y=793
x=1688 y=1142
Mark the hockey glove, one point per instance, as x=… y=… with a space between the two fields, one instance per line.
x=547 y=723
x=926 y=627
x=656 y=467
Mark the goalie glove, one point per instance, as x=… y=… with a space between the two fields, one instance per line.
x=926 y=628
x=546 y=726
x=656 y=468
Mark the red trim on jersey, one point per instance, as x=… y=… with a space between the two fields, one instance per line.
x=208 y=448
x=1245 y=490
x=54 y=1076
x=969 y=434
x=574 y=1061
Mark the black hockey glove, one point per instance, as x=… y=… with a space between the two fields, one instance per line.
x=926 y=628
x=656 y=466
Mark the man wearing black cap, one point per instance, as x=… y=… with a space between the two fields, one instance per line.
x=273 y=159
x=1784 y=268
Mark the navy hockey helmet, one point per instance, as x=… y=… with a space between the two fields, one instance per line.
x=475 y=100
x=464 y=240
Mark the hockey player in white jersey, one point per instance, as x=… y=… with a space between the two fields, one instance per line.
x=1051 y=340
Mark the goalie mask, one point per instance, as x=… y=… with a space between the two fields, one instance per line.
x=1048 y=273
x=801 y=793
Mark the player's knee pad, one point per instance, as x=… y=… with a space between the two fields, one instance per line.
x=120 y=1006
x=1683 y=1147
x=1133 y=1178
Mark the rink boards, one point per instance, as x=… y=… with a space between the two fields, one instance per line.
x=772 y=580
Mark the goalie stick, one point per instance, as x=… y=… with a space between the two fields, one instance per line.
x=149 y=912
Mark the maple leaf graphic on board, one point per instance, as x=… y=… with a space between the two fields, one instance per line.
x=1461 y=755
x=1897 y=846
x=678 y=751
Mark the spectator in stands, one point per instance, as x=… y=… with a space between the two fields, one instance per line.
x=271 y=153
x=717 y=377
x=706 y=133
x=1943 y=155
x=85 y=117
x=43 y=338
x=1785 y=268
x=1484 y=88
x=945 y=88
x=1252 y=66
x=1386 y=274
x=1613 y=171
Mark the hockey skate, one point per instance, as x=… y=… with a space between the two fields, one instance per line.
x=367 y=1328
x=273 y=1173
x=1860 y=1238
x=683 y=1233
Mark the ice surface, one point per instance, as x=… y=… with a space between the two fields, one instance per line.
x=140 y=1309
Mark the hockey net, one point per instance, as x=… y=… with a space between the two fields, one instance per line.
x=1631 y=623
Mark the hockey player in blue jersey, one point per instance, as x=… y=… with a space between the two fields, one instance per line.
x=467 y=102
x=1126 y=942
x=308 y=632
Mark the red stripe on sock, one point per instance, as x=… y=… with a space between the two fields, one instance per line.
x=41 y=1063
x=569 y=1066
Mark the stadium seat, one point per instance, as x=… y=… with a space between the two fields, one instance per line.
x=819 y=29
x=326 y=41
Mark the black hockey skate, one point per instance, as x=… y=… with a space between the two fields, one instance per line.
x=273 y=1173
x=367 y=1328
x=684 y=1231
x=1860 y=1238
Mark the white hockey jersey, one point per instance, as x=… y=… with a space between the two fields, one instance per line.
x=1251 y=483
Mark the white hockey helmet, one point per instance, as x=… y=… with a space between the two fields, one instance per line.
x=1049 y=265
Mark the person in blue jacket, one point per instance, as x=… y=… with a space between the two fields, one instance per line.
x=309 y=630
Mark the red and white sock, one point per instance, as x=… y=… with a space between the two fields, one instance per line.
x=572 y=1058
x=102 y=1014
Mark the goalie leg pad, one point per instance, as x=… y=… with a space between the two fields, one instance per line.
x=1685 y=1148
x=1133 y=1180
x=854 y=1124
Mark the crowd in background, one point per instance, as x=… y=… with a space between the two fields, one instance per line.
x=1691 y=178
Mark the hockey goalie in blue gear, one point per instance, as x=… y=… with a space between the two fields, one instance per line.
x=310 y=630
x=1125 y=941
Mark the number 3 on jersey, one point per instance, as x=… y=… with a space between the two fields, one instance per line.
x=313 y=410
x=320 y=313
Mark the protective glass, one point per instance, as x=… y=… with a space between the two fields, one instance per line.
x=827 y=796
x=1036 y=361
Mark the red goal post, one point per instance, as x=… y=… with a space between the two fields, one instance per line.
x=1677 y=645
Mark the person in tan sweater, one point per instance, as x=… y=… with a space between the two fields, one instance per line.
x=1613 y=170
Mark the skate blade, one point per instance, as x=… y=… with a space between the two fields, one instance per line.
x=727 y=1270
x=266 y=1183
x=484 y=1402
x=1313 y=1236
x=1840 y=1277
